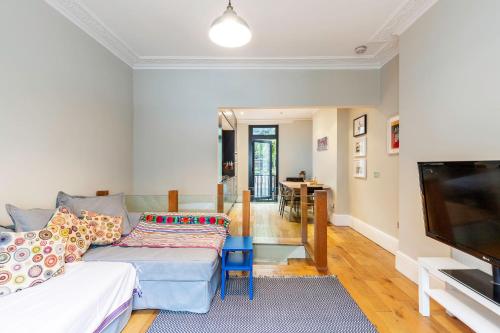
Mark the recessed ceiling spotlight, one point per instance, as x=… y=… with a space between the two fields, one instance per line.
x=361 y=49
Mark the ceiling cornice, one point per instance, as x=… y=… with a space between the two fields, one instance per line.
x=270 y=121
x=386 y=36
x=257 y=63
x=81 y=16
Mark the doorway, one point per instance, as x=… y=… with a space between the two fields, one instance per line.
x=263 y=162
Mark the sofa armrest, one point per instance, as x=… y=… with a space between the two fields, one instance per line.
x=7 y=228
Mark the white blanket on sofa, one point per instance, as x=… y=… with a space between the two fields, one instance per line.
x=87 y=297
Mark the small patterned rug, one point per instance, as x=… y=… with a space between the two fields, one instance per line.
x=280 y=305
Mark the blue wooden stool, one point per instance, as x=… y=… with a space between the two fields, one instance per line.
x=237 y=255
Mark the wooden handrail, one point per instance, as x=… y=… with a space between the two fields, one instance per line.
x=303 y=212
x=246 y=214
x=320 y=229
x=220 y=198
x=173 y=201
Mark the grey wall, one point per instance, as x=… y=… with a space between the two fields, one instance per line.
x=65 y=106
x=175 y=114
x=449 y=101
x=375 y=200
x=325 y=163
x=295 y=152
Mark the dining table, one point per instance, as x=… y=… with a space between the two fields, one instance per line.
x=294 y=188
x=297 y=185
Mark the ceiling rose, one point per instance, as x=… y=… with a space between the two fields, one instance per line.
x=230 y=30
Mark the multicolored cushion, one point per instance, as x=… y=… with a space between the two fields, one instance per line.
x=107 y=229
x=187 y=218
x=113 y=205
x=78 y=233
x=29 y=258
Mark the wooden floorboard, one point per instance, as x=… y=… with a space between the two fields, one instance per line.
x=389 y=299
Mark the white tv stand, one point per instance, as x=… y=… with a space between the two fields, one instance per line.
x=476 y=311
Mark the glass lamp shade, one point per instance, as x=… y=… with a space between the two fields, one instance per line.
x=230 y=30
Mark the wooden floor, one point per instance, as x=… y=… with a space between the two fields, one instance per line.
x=267 y=226
x=366 y=270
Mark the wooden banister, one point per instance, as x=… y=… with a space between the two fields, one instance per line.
x=220 y=198
x=320 y=229
x=246 y=214
x=303 y=212
x=102 y=193
x=173 y=201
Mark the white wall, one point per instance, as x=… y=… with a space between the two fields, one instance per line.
x=325 y=162
x=66 y=110
x=449 y=102
x=295 y=152
x=175 y=114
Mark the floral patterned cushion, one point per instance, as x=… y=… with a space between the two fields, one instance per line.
x=29 y=258
x=187 y=218
x=107 y=229
x=78 y=233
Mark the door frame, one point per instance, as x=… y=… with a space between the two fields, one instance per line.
x=251 y=138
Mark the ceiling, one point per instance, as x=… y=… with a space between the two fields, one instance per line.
x=286 y=33
x=272 y=116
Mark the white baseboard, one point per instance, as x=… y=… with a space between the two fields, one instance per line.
x=383 y=239
x=341 y=220
x=407 y=266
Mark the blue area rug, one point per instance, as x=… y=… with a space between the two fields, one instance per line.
x=280 y=305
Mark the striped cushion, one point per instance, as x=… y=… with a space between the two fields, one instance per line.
x=187 y=218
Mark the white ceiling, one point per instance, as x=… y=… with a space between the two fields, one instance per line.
x=286 y=33
x=268 y=116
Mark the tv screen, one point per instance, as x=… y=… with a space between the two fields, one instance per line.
x=462 y=205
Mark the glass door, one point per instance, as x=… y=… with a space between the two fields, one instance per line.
x=262 y=169
x=263 y=162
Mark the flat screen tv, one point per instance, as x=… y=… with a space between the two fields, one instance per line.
x=461 y=202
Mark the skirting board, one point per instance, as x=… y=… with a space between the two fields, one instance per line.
x=341 y=220
x=407 y=266
x=383 y=239
x=404 y=263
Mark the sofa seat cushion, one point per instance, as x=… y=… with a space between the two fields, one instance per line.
x=161 y=264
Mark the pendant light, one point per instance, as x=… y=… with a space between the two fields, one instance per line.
x=230 y=30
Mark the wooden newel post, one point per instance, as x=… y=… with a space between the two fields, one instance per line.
x=303 y=212
x=173 y=201
x=220 y=198
x=320 y=228
x=246 y=214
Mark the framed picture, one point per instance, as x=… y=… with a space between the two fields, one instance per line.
x=360 y=168
x=322 y=144
x=393 y=135
x=360 y=147
x=359 y=126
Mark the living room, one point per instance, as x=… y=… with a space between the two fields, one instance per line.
x=113 y=95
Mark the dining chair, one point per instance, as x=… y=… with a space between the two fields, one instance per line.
x=293 y=202
x=311 y=197
x=294 y=179
x=285 y=198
